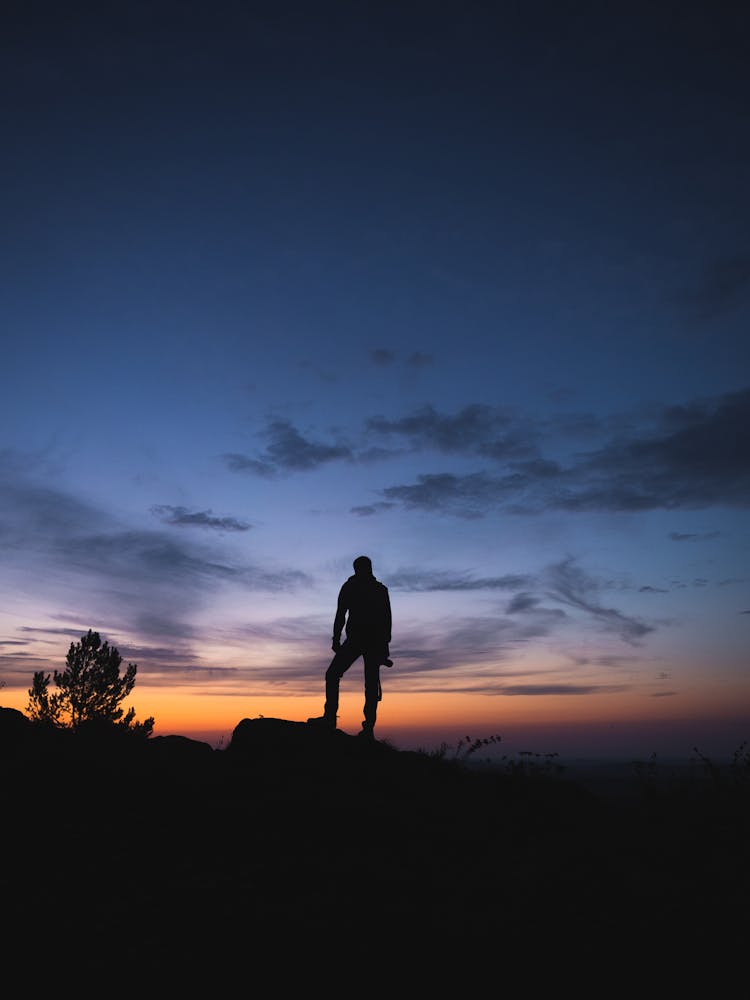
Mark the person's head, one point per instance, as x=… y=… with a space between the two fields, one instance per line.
x=362 y=566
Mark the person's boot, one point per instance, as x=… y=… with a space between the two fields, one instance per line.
x=323 y=720
x=367 y=732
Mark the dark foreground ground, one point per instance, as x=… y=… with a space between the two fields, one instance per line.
x=318 y=847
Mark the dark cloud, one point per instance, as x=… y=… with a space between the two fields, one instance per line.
x=522 y=603
x=531 y=608
x=419 y=360
x=704 y=460
x=609 y=661
x=17 y=668
x=367 y=510
x=547 y=689
x=288 y=451
x=200 y=518
x=376 y=453
x=697 y=456
x=475 y=429
x=236 y=462
x=693 y=456
x=152 y=655
x=646 y=589
x=382 y=356
x=468 y=496
x=680 y=536
x=36 y=631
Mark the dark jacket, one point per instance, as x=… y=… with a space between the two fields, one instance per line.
x=365 y=606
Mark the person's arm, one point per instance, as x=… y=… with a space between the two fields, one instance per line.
x=339 y=620
x=388 y=619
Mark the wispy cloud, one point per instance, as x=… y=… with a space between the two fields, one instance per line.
x=424 y=581
x=531 y=607
x=572 y=586
x=572 y=689
x=145 y=581
x=561 y=602
x=482 y=653
x=183 y=517
x=370 y=509
x=682 y=536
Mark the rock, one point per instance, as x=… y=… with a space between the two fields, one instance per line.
x=178 y=748
x=281 y=735
x=15 y=728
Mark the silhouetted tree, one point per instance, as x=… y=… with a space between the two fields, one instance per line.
x=90 y=690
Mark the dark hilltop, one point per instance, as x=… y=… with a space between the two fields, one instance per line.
x=319 y=835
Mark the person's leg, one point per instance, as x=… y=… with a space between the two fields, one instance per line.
x=341 y=662
x=372 y=691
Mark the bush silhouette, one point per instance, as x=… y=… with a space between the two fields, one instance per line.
x=90 y=690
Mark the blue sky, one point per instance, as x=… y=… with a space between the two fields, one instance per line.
x=465 y=289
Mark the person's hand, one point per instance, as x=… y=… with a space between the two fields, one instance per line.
x=336 y=645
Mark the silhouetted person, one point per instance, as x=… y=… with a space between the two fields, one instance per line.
x=364 y=606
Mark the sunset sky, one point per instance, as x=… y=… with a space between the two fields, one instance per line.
x=464 y=287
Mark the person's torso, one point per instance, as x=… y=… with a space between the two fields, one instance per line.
x=367 y=606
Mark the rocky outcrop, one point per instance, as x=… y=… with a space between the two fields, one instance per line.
x=263 y=737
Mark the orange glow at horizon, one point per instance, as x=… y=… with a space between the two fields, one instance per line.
x=195 y=713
